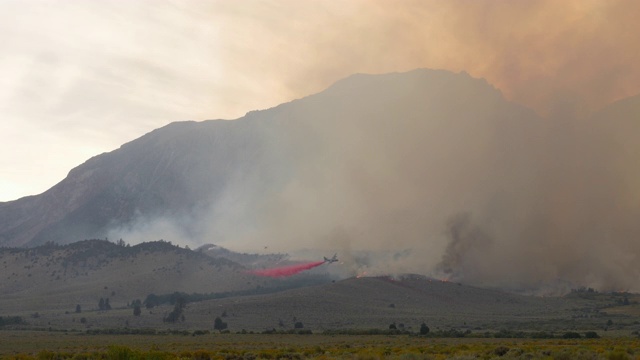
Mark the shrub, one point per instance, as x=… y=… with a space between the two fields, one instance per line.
x=11 y=320
x=571 y=335
x=501 y=350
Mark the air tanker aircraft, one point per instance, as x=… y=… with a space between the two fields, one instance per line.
x=332 y=260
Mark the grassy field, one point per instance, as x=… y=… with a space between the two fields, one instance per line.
x=60 y=345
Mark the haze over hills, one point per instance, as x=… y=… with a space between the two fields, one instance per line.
x=59 y=287
x=53 y=277
x=433 y=172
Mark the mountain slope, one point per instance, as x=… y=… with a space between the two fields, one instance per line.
x=185 y=169
x=59 y=277
x=376 y=302
x=171 y=171
x=432 y=172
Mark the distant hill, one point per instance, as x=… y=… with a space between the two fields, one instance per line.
x=44 y=285
x=367 y=303
x=55 y=276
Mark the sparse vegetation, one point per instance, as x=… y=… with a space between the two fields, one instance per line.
x=200 y=345
x=10 y=320
x=413 y=297
x=153 y=300
x=103 y=304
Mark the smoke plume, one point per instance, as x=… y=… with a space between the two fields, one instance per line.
x=551 y=56
x=437 y=173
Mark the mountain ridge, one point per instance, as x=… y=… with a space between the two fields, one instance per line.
x=436 y=170
x=99 y=185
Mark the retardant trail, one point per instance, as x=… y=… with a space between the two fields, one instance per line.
x=286 y=270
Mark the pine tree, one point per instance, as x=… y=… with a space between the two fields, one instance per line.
x=218 y=324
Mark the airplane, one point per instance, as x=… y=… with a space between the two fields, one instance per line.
x=331 y=260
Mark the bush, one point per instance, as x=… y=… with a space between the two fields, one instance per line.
x=501 y=350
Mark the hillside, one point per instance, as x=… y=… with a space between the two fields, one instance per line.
x=173 y=171
x=59 y=277
x=45 y=284
x=374 y=303
x=188 y=173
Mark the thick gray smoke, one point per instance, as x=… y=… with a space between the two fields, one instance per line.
x=436 y=173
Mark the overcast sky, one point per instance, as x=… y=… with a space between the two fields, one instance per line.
x=79 y=78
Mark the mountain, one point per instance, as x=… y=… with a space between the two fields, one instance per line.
x=55 y=277
x=171 y=171
x=184 y=170
x=429 y=171
x=60 y=276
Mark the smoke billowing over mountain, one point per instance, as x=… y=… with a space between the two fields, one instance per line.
x=426 y=172
x=435 y=173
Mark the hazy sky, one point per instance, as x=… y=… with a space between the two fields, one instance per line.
x=82 y=77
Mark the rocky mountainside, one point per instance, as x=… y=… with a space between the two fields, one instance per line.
x=185 y=169
x=175 y=170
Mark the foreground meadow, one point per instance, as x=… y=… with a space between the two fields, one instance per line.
x=52 y=345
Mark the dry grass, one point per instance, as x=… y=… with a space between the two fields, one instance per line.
x=229 y=346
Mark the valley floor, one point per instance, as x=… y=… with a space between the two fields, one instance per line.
x=63 y=345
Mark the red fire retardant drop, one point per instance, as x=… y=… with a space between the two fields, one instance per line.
x=286 y=270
